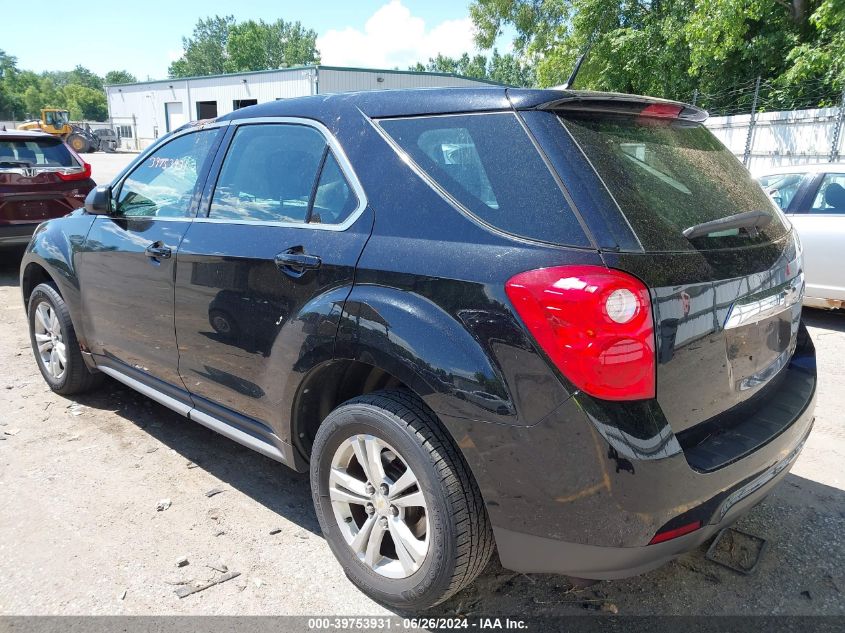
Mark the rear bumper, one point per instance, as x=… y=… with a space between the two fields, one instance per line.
x=16 y=234
x=528 y=553
x=585 y=490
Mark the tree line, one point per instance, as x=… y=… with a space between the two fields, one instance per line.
x=221 y=45
x=23 y=92
x=680 y=49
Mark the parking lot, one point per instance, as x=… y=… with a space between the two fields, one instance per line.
x=80 y=532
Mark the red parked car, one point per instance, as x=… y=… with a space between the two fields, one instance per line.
x=40 y=178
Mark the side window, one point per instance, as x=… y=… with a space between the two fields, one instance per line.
x=164 y=184
x=488 y=164
x=334 y=199
x=831 y=195
x=781 y=187
x=269 y=174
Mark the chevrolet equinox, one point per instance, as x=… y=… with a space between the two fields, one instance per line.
x=561 y=326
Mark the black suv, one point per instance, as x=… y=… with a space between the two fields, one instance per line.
x=564 y=326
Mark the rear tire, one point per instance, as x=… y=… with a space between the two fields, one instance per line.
x=453 y=541
x=55 y=345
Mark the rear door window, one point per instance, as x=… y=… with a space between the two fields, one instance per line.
x=670 y=175
x=488 y=165
x=830 y=197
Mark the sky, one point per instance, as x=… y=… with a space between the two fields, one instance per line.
x=145 y=37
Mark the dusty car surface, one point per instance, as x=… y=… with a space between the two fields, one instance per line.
x=813 y=197
x=40 y=178
x=561 y=326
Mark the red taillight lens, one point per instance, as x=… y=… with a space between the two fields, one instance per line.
x=82 y=174
x=595 y=325
x=668 y=535
x=662 y=110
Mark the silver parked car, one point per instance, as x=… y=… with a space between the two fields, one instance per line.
x=813 y=197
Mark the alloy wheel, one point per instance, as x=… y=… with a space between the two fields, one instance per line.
x=379 y=506
x=50 y=340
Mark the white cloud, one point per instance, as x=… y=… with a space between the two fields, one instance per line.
x=392 y=36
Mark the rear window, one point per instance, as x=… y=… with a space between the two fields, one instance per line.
x=489 y=166
x=31 y=153
x=669 y=175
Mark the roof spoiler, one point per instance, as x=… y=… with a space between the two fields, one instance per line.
x=608 y=103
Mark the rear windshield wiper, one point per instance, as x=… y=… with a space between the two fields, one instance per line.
x=751 y=221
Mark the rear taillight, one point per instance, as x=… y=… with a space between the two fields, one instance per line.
x=77 y=173
x=594 y=323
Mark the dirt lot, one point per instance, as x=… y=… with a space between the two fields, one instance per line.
x=80 y=480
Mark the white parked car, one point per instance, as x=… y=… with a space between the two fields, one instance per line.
x=813 y=197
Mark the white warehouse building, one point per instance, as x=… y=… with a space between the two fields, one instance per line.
x=141 y=112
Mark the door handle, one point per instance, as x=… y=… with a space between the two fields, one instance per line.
x=295 y=261
x=157 y=250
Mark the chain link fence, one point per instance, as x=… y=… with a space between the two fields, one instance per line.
x=767 y=125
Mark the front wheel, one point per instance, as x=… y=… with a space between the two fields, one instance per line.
x=396 y=501
x=55 y=345
x=79 y=143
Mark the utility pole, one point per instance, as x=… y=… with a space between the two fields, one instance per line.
x=837 y=130
x=747 y=154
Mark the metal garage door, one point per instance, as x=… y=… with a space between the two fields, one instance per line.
x=174 y=115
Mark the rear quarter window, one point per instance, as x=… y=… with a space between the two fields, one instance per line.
x=488 y=165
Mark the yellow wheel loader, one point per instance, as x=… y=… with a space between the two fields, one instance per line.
x=57 y=122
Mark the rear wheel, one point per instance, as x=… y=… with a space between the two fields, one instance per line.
x=396 y=501
x=78 y=143
x=55 y=345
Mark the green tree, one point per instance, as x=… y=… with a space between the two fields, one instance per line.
x=205 y=51
x=261 y=46
x=85 y=103
x=119 y=77
x=505 y=69
x=670 y=48
x=824 y=56
x=220 y=45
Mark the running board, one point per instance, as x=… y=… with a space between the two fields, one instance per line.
x=227 y=430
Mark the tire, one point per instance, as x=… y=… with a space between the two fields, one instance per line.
x=457 y=531
x=78 y=143
x=49 y=323
x=224 y=324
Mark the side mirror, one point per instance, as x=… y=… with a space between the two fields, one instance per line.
x=98 y=200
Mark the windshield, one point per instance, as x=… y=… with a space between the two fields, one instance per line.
x=670 y=175
x=782 y=187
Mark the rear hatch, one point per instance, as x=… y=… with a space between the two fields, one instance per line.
x=719 y=259
x=40 y=178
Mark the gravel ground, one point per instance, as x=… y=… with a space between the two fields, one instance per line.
x=80 y=480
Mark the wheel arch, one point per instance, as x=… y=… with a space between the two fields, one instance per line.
x=331 y=383
x=32 y=275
